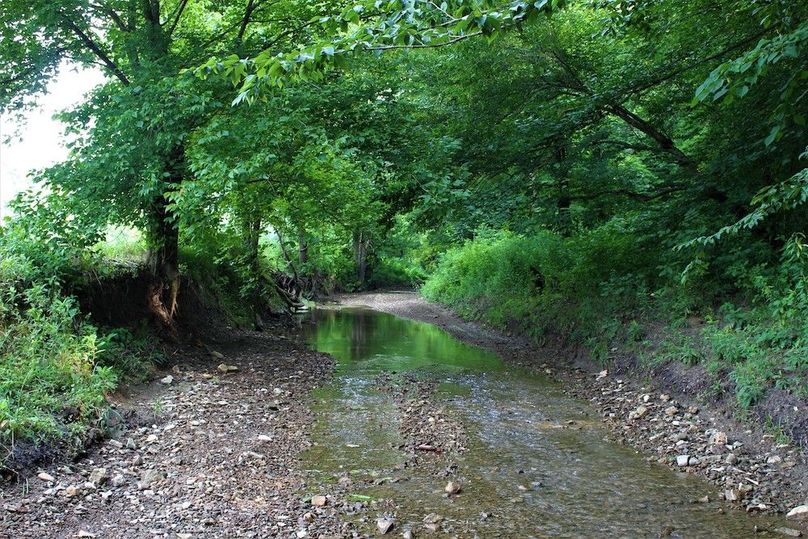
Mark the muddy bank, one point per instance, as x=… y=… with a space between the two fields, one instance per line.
x=208 y=450
x=751 y=467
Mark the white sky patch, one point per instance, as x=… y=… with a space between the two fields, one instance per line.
x=40 y=141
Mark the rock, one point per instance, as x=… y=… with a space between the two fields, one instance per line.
x=98 y=476
x=790 y=532
x=217 y=355
x=72 y=491
x=319 y=500
x=664 y=398
x=671 y=411
x=118 y=480
x=704 y=499
x=602 y=374
x=148 y=478
x=137 y=460
x=776 y=459
x=264 y=438
x=731 y=495
x=693 y=410
x=682 y=460
x=638 y=412
x=224 y=368
x=167 y=380
x=151 y=438
x=84 y=533
x=432 y=522
x=277 y=391
x=385 y=525
x=46 y=477
x=718 y=438
x=408 y=534
x=693 y=461
x=301 y=534
x=452 y=487
x=799 y=513
x=731 y=459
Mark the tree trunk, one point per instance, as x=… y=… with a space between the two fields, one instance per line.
x=361 y=257
x=162 y=293
x=164 y=289
x=303 y=249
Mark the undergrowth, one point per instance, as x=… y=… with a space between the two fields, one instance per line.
x=603 y=290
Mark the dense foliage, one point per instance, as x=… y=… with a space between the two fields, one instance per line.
x=589 y=170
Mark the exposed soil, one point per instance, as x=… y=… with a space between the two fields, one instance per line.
x=657 y=413
x=216 y=456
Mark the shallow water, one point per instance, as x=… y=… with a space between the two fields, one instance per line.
x=575 y=482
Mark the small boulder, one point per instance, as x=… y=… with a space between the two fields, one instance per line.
x=789 y=532
x=98 y=476
x=718 y=438
x=637 y=413
x=167 y=380
x=224 y=368
x=319 y=500
x=799 y=513
x=452 y=487
x=385 y=525
x=682 y=460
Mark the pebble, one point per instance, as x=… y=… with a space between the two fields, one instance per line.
x=319 y=500
x=452 y=487
x=167 y=380
x=682 y=460
x=46 y=477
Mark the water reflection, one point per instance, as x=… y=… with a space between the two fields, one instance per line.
x=538 y=460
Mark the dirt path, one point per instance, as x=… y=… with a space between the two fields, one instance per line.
x=753 y=469
x=203 y=454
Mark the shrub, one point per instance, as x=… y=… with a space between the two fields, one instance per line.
x=51 y=382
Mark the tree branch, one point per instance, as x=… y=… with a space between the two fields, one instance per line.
x=177 y=16
x=96 y=49
x=245 y=21
x=119 y=22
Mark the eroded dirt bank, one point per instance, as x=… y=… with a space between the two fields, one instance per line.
x=751 y=468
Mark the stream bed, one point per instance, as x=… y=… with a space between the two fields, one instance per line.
x=537 y=463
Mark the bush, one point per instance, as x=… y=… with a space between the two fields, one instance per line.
x=51 y=382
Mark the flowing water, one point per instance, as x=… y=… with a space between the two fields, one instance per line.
x=574 y=481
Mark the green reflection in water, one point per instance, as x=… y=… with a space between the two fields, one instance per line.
x=372 y=342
